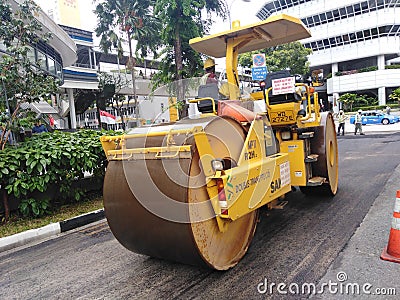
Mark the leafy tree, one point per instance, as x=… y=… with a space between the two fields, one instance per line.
x=116 y=101
x=22 y=80
x=349 y=100
x=122 y=21
x=291 y=56
x=395 y=95
x=182 y=20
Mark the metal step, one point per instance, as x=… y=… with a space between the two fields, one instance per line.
x=279 y=205
x=306 y=135
x=311 y=158
x=316 y=181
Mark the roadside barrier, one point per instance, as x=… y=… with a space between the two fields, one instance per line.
x=392 y=251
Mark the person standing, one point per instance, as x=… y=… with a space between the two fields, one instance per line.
x=358 y=122
x=342 y=120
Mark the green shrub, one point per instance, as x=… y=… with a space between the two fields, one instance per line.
x=34 y=207
x=392 y=67
x=368 y=69
x=48 y=159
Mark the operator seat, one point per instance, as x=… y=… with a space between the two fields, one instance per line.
x=209 y=90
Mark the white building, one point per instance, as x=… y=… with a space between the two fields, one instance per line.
x=349 y=36
x=54 y=55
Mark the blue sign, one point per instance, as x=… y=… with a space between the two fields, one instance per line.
x=259 y=73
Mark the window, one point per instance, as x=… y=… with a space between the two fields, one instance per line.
x=374 y=32
x=380 y=3
x=42 y=60
x=346 y=39
x=364 y=7
x=357 y=9
x=59 y=71
x=31 y=55
x=51 y=65
x=316 y=20
x=343 y=14
x=336 y=15
x=367 y=34
x=339 y=40
x=314 y=45
x=323 y=18
x=329 y=15
x=350 y=11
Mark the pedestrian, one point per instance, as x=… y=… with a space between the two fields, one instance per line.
x=342 y=120
x=51 y=121
x=86 y=121
x=388 y=110
x=358 y=122
x=39 y=127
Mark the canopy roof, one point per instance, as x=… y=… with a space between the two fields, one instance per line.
x=275 y=30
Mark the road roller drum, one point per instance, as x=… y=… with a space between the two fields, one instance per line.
x=160 y=206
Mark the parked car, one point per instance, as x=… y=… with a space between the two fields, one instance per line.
x=373 y=117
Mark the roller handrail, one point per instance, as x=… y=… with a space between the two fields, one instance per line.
x=205 y=99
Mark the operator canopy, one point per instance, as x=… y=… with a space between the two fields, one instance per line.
x=275 y=30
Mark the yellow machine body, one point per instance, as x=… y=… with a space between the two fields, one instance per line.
x=198 y=183
x=295 y=151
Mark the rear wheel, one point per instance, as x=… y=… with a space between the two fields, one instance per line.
x=385 y=121
x=324 y=143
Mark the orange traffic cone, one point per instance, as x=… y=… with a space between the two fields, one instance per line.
x=392 y=251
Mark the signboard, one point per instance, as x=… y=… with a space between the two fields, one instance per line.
x=259 y=60
x=259 y=73
x=283 y=86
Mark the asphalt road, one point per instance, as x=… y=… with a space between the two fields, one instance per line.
x=293 y=245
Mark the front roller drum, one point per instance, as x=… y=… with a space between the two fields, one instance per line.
x=161 y=208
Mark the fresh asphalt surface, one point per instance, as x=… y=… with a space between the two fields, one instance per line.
x=300 y=244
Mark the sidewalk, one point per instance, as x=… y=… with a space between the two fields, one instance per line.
x=35 y=235
x=359 y=264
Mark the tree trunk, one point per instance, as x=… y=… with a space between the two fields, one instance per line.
x=180 y=92
x=132 y=64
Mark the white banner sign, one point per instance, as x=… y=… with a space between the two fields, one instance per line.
x=283 y=86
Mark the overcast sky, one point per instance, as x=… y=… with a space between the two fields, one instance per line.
x=244 y=11
x=240 y=10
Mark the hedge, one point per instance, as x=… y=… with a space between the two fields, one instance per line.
x=48 y=159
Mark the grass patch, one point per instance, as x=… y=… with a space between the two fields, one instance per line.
x=18 y=224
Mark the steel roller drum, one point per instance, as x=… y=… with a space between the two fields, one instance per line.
x=325 y=145
x=160 y=207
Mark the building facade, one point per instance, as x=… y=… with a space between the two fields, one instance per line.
x=53 y=55
x=353 y=42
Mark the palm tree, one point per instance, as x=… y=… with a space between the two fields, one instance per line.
x=122 y=21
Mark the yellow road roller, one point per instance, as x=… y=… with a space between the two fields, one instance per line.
x=190 y=191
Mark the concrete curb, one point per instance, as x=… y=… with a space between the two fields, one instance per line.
x=33 y=235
